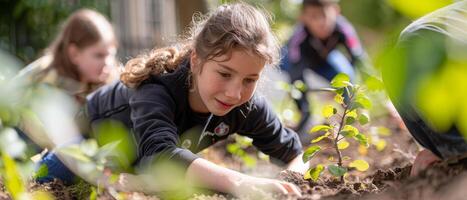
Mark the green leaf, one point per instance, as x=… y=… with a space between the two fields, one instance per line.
x=352 y=113
x=362 y=139
x=414 y=9
x=310 y=152
x=340 y=80
x=320 y=137
x=339 y=99
x=314 y=173
x=75 y=152
x=336 y=170
x=328 y=111
x=282 y=85
x=349 y=131
x=363 y=101
x=343 y=145
x=41 y=195
x=363 y=118
x=295 y=93
x=249 y=161
x=318 y=128
x=93 y=195
x=12 y=178
x=89 y=147
x=349 y=120
x=300 y=85
x=42 y=171
x=108 y=150
x=360 y=165
x=233 y=148
x=374 y=84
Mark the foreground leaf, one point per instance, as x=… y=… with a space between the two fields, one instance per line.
x=42 y=171
x=349 y=131
x=12 y=178
x=343 y=145
x=320 y=137
x=363 y=101
x=75 y=152
x=310 y=152
x=300 y=85
x=362 y=139
x=328 y=111
x=337 y=170
x=314 y=173
x=320 y=128
x=340 y=80
x=360 y=165
x=339 y=99
x=363 y=119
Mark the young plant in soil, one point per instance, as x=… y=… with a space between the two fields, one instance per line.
x=339 y=128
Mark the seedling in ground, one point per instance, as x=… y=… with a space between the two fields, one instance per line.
x=339 y=129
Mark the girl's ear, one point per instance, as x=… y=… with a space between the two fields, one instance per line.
x=194 y=60
x=73 y=53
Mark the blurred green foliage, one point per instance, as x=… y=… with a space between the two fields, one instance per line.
x=28 y=26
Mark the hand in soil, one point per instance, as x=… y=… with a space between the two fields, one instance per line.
x=424 y=159
x=297 y=165
x=259 y=187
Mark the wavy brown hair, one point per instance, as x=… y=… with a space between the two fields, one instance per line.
x=230 y=26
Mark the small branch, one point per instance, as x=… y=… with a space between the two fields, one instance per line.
x=337 y=139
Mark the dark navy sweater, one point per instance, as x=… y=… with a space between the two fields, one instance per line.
x=305 y=48
x=165 y=127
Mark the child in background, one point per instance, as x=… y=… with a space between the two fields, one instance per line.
x=180 y=100
x=80 y=59
x=315 y=45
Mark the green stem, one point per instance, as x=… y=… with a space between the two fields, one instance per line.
x=336 y=140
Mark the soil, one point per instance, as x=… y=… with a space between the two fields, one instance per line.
x=387 y=178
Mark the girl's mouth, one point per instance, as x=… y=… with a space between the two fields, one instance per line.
x=224 y=105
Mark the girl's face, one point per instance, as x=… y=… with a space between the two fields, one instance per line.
x=320 y=21
x=221 y=85
x=94 y=61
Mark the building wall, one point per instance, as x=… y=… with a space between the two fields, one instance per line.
x=142 y=25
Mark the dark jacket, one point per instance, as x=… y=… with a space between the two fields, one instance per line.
x=304 y=48
x=165 y=127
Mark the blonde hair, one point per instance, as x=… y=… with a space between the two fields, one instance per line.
x=230 y=26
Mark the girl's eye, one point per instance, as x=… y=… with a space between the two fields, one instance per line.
x=249 y=81
x=99 y=55
x=225 y=75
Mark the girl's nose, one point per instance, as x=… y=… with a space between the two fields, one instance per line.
x=234 y=92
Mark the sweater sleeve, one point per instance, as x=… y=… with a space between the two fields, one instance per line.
x=152 y=115
x=269 y=135
x=351 y=41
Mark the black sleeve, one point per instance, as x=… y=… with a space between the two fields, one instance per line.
x=152 y=114
x=268 y=133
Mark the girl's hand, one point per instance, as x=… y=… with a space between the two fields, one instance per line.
x=424 y=159
x=257 y=187
x=297 y=165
